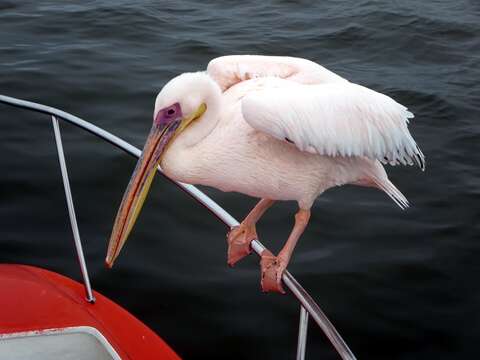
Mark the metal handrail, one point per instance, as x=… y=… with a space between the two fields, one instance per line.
x=308 y=305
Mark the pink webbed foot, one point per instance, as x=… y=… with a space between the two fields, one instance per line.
x=239 y=239
x=272 y=268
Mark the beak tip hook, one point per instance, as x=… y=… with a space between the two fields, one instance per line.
x=108 y=264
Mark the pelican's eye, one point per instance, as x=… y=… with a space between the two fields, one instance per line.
x=171 y=112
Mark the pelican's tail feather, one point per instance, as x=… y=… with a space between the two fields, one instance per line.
x=395 y=194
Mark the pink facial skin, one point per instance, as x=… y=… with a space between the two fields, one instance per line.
x=167 y=115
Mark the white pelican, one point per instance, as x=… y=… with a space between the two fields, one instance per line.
x=275 y=128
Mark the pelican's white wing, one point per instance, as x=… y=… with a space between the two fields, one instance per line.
x=335 y=119
x=232 y=69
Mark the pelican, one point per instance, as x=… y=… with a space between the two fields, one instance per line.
x=274 y=128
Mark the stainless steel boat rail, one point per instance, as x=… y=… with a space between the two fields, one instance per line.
x=308 y=307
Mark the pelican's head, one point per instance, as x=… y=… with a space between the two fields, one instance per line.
x=181 y=103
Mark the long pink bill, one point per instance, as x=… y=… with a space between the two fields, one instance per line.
x=138 y=186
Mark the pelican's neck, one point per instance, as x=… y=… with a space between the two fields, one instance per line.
x=181 y=160
x=205 y=90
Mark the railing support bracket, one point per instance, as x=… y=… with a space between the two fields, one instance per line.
x=71 y=211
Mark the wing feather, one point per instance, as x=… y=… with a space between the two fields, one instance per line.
x=336 y=119
x=232 y=69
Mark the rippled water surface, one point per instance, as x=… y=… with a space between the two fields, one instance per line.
x=398 y=285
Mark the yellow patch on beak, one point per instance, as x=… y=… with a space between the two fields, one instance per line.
x=186 y=121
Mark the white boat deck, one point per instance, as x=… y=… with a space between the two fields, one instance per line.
x=73 y=343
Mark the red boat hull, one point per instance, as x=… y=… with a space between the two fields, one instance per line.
x=35 y=299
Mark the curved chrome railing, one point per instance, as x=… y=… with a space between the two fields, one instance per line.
x=308 y=306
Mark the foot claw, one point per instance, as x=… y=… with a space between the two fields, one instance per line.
x=239 y=239
x=272 y=271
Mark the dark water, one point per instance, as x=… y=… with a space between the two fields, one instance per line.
x=398 y=285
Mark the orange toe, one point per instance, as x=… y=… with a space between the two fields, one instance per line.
x=237 y=252
x=272 y=271
x=239 y=239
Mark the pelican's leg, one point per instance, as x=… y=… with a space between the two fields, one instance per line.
x=240 y=237
x=274 y=266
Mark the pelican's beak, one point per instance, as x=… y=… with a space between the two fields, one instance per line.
x=167 y=123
